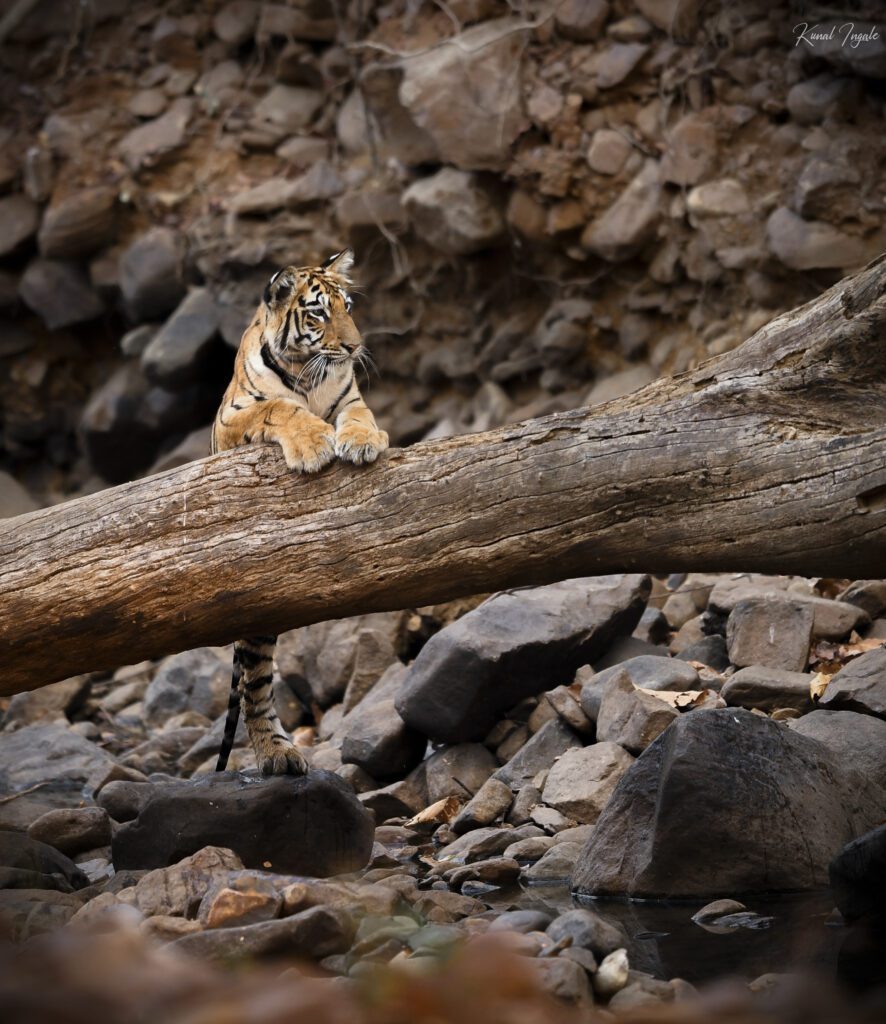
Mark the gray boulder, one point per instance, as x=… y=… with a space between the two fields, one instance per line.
x=514 y=645
x=853 y=739
x=775 y=633
x=60 y=293
x=860 y=685
x=768 y=689
x=151 y=274
x=197 y=680
x=581 y=782
x=551 y=741
x=718 y=780
x=309 y=825
x=176 y=355
x=631 y=718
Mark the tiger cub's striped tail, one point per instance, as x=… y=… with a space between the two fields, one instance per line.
x=250 y=686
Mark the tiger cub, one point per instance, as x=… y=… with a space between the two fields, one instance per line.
x=293 y=384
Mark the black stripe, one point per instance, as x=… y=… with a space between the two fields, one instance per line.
x=356 y=398
x=340 y=396
x=268 y=359
x=257 y=684
x=231 y=720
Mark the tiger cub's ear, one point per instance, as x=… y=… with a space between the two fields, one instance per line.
x=339 y=263
x=279 y=288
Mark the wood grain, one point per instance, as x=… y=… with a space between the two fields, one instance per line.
x=769 y=458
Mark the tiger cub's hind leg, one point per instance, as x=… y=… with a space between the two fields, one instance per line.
x=275 y=753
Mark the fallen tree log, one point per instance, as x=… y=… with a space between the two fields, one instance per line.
x=769 y=458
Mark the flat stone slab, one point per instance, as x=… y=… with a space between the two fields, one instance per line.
x=311 y=825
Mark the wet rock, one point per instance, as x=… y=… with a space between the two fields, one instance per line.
x=629 y=717
x=859 y=686
x=176 y=355
x=588 y=930
x=466 y=94
x=854 y=739
x=812 y=245
x=512 y=646
x=196 y=680
x=785 y=807
x=768 y=689
x=53 y=762
x=691 y=151
x=490 y=803
x=857 y=876
x=48 y=704
x=19 y=218
x=455 y=212
x=151 y=274
x=711 y=911
x=147 y=144
x=78 y=224
x=582 y=780
x=496 y=871
x=310 y=825
x=551 y=741
x=630 y=222
x=26 y=863
x=565 y=980
x=581 y=20
x=60 y=294
x=381 y=743
x=73 y=830
x=772 y=633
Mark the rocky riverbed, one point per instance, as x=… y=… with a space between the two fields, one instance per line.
x=491 y=768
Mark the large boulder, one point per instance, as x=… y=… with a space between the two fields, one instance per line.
x=858 y=877
x=466 y=94
x=514 y=645
x=859 y=740
x=309 y=825
x=860 y=685
x=718 y=780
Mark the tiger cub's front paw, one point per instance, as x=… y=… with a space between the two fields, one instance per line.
x=359 y=442
x=280 y=757
x=308 y=447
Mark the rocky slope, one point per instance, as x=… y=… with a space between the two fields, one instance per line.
x=550 y=203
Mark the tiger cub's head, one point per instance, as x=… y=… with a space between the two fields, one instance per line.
x=306 y=312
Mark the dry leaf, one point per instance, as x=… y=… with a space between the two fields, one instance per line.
x=439 y=813
x=687 y=700
x=819 y=683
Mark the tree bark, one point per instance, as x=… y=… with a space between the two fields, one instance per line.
x=769 y=458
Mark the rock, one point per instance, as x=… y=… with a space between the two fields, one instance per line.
x=565 y=702
x=196 y=680
x=853 y=739
x=455 y=212
x=833 y=620
x=710 y=651
x=555 y=865
x=566 y=981
x=612 y=974
x=59 y=293
x=582 y=780
x=148 y=103
x=856 y=877
x=19 y=218
x=812 y=245
x=551 y=741
x=655 y=672
x=466 y=94
x=514 y=645
x=771 y=633
x=79 y=224
x=616 y=62
x=151 y=274
x=73 y=830
x=235 y=23
x=381 y=743
x=809 y=101
x=859 y=686
x=178 y=889
x=490 y=803
x=722 y=198
x=29 y=912
x=26 y=863
x=630 y=222
x=483 y=843
x=14 y=500
x=124 y=798
x=521 y=921
x=288 y=108
x=147 y=144
x=161 y=751
x=719 y=908
x=458 y=771
x=869 y=595
x=176 y=356
x=691 y=151
x=629 y=717
x=247 y=899
x=311 y=825
x=496 y=871
x=304 y=151
x=589 y=931
x=827 y=189
x=134 y=342
x=784 y=807
x=581 y=20
x=768 y=689
x=48 y=704
x=53 y=762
